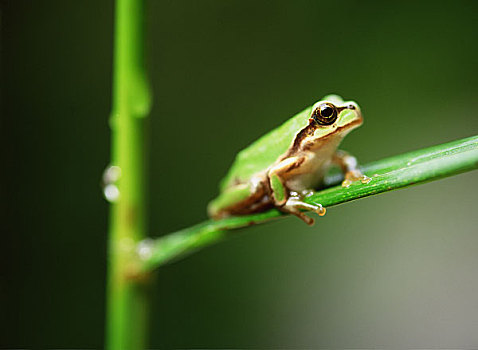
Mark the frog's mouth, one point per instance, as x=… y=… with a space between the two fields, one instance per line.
x=349 y=116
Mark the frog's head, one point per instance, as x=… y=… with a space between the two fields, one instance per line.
x=333 y=115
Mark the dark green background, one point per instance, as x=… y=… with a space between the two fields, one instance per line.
x=395 y=270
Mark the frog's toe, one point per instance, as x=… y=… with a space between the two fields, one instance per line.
x=307 y=219
x=317 y=208
x=353 y=176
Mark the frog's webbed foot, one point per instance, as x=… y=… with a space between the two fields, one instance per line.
x=294 y=205
x=349 y=166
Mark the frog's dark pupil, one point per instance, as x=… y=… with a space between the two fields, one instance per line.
x=326 y=111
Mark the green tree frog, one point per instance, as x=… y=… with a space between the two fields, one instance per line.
x=283 y=167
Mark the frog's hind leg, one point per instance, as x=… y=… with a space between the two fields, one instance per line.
x=240 y=199
x=217 y=208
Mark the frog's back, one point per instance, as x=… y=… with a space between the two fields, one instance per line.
x=265 y=151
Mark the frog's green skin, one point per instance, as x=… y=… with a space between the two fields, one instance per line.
x=283 y=166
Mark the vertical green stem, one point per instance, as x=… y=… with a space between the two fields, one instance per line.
x=126 y=299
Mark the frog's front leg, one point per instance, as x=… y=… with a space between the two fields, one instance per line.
x=349 y=166
x=283 y=198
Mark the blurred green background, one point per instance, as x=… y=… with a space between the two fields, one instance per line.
x=395 y=270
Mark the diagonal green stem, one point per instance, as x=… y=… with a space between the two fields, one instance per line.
x=387 y=174
x=126 y=300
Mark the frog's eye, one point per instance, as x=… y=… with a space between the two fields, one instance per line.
x=325 y=114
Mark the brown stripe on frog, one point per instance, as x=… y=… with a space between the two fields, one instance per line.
x=325 y=139
x=305 y=132
x=309 y=131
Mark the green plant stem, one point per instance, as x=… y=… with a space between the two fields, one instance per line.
x=388 y=174
x=126 y=301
